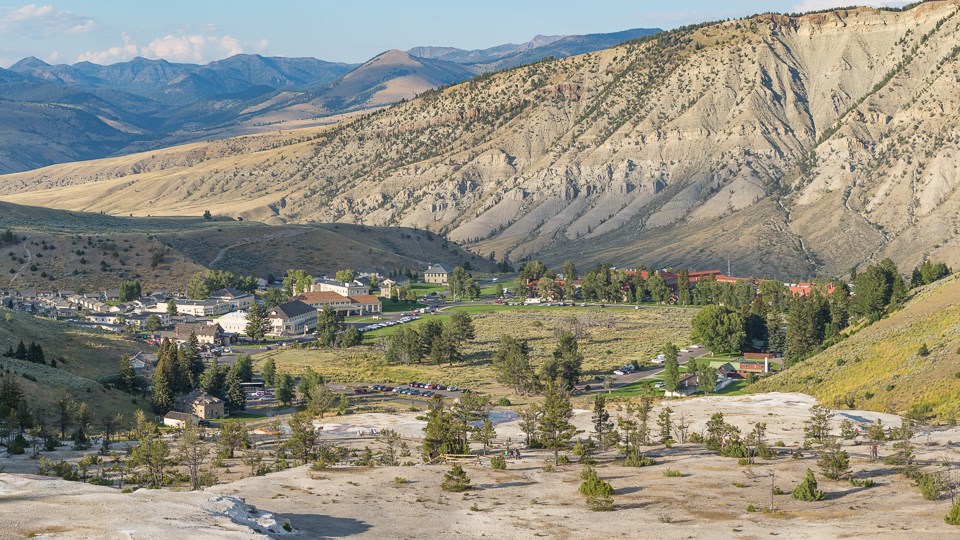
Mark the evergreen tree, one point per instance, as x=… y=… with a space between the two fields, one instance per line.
x=162 y=397
x=555 y=427
x=776 y=338
x=566 y=362
x=671 y=368
x=512 y=365
x=455 y=481
x=284 y=388
x=268 y=371
x=128 y=376
x=21 y=353
x=461 y=327
x=684 y=297
x=235 y=399
x=244 y=365
x=258 y=324
x=665 y=422
x=329 y=326
x=351 y=337
x=172 y=308
x=806 y=326
x=602 y=425
x=807 y=489
x=439 y=435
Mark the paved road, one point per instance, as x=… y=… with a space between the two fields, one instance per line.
x=644 y=373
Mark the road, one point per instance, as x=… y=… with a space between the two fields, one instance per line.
x=643 y=373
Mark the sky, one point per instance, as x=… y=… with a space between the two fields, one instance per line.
x=199 y=31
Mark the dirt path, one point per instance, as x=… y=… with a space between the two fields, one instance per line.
x=248 y=241
x=26 y=264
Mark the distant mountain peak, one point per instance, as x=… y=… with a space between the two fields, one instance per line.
x=30 y=62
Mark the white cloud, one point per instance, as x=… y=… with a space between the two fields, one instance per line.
x=114 y=54
x=197 y=48
x=817 y=5
x=38 y=22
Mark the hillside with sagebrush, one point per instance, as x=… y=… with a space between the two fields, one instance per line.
x=883 y=367
x=57 y=250
x=789 y=145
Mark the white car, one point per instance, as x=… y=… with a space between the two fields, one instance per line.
x=619 y=372
x=684 y=350
x=657 y=361
x=694 y=346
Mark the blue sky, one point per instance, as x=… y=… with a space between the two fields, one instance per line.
x=108 y=31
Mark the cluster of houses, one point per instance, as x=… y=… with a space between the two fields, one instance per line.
x=756 y=364
x=222 y=316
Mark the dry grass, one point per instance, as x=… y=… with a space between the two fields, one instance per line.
x=614 y=336
x=878 y=368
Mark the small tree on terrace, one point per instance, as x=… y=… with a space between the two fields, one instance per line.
x=344 y=276
x=555 y=427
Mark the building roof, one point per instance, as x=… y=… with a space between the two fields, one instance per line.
x=292 y=309
x=365 y=299
x=198 y=328
x=229 y=293
x=438 y=268
x=324 y=297
x=176 y=415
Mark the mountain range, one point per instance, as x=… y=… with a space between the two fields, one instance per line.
x=97 y=111
x=788 y=146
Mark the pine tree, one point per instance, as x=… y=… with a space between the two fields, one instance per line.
x=455 y=481
x=235 y=399
x=128 y=376
x=807 y=489
x=194 y=360
x=21 y=353
x=555 y=427
x=671 y=368
x=257 y=322
x=602 y=425
x=566 y=363
x=162 y=397
x=665 y=422
x=284 y=388
x=512 y=365
x=268 y=371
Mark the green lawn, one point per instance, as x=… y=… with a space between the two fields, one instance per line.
x=636 y=389
x=735 y=389
x=390 y=306
x=426 y=288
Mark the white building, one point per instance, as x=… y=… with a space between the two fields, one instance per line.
x=238 y=300
x=353 y=288
x=234 y=322
x=292 y=319
x=202 y=308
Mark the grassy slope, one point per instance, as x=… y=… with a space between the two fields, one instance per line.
x=192 y=244
x=878 y=368
x=83 y=357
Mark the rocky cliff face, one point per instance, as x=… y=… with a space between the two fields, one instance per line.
x=788 y=146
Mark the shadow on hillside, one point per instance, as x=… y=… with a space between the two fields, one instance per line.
x=320 y=526
x=498 y=485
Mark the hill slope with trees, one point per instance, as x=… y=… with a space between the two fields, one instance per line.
x=905 y=363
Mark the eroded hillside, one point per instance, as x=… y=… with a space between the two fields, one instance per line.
x=790 y=146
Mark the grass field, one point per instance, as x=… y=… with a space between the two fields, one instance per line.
x=611 y=337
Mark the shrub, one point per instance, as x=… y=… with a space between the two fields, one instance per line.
x=563 y=460
x=504 y=402
x=456 y=480
x=807 y=489
x=931 y=486
x=637 y=459
x=862 y=482
x=672 y=473
x=498 y=462
x=598 y=492
x=751 y=508
x=953 y=518
x=923 y=350
x=695 y=438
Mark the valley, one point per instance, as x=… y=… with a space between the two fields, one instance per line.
x=618 y=154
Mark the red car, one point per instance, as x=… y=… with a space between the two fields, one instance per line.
x=360 y=390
